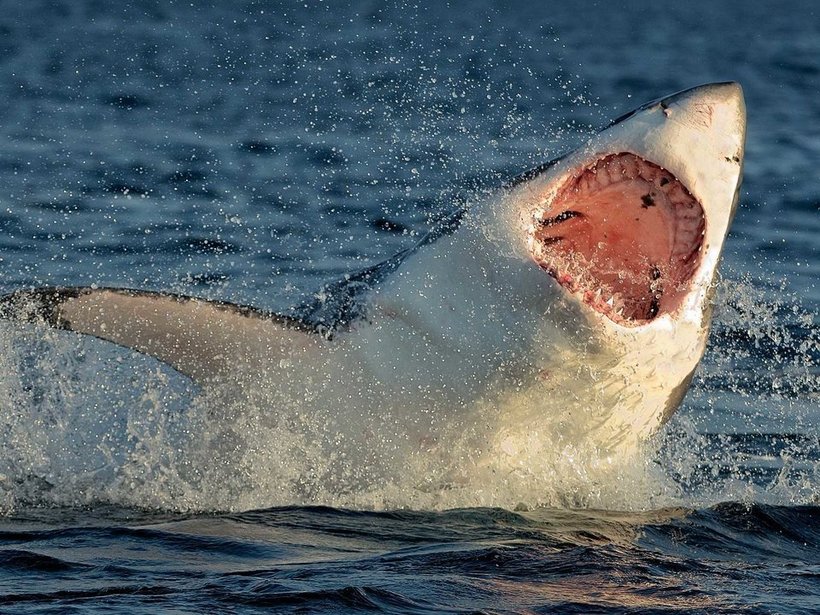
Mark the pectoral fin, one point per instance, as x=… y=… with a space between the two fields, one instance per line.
x=201 y=339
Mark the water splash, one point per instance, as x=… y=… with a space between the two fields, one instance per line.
x=85 y=423
x=749 y=428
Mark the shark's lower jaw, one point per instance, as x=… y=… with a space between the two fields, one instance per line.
x=624 y=235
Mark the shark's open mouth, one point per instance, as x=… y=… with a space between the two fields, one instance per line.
x=624 y=235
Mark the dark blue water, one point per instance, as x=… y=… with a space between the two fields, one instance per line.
x=251 y=151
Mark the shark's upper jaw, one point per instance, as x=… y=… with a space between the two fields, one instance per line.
x=632 y=224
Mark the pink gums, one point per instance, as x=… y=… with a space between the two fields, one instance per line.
x=625 y=235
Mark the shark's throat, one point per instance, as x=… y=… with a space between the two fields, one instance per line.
x=624 y=235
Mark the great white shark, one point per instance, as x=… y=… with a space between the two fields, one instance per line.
x=576 y=300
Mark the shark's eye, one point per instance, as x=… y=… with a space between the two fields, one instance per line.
x=625 y=235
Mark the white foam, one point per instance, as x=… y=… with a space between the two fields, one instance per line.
x=85 y=423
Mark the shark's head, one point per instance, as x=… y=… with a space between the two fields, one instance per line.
x=630 y=229
x=634 y=222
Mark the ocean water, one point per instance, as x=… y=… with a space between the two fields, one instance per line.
x=253 y=151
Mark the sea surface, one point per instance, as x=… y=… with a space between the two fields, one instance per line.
x=253 y=151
